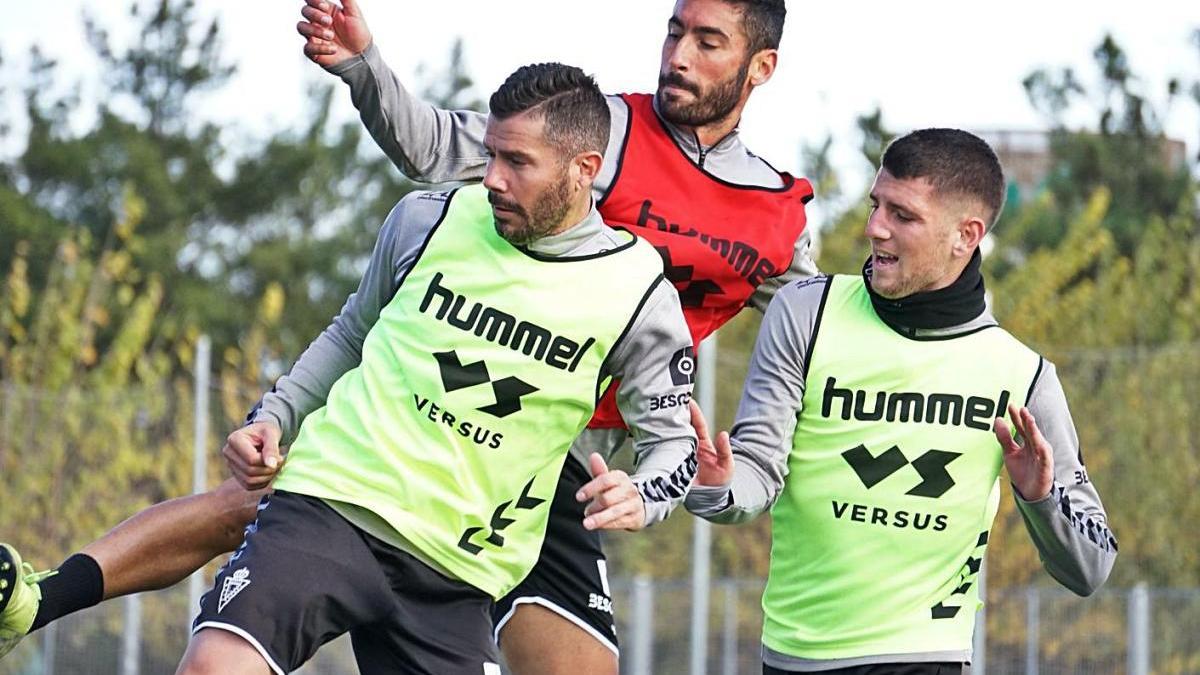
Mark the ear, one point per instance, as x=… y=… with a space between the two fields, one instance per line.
x=762 y=66
x=588 y=166
x=971 y=230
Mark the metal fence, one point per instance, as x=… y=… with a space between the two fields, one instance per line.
x=1037 y=631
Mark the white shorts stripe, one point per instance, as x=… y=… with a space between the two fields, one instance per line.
x=245 y=636
x=602 y=565
x=561 y=611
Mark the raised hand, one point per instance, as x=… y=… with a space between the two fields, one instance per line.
x=715 y=459
x=332 y=32
x=1030 y=462
x=615 y=502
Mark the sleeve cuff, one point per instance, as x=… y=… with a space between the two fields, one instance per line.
x=1047 y=499
x=706 y=500
x=272 y=418
x=342 y=67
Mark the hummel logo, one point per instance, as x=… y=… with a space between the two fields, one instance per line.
x=508 y=391
x=502 y=328
x=234 y=584
x=931 y=467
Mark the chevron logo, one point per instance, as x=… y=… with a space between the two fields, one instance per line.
x=871 y=469
x=500 y=521
x=457 y=375
x=935 y=480
x=931 y=467
x=967 y=576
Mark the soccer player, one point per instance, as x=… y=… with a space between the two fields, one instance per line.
x=420 y=490
x=872 y=427
x=730 y=229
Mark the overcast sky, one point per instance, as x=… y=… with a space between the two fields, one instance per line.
x=929 y=63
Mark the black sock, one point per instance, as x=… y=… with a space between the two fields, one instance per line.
x=78 y=585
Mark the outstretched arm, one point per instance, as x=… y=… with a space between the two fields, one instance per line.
x=425 y=142
x=742 y=474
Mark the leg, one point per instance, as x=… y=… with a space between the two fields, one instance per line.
x=302 y=577
x=558 y=620
x=538 y=641
x=156 y=548
x=219 y=652
x=161 y=545
x=436 y=626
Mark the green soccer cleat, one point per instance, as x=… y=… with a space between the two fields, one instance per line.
x=19 y=597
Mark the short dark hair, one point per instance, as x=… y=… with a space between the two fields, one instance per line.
x=955 y=162
x=763 y=22
x=575 y=111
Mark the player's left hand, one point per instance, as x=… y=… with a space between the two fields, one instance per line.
x=615 y=502
x=1030 y=463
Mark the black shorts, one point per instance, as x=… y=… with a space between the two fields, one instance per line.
x=305 y=575
x=570 y=577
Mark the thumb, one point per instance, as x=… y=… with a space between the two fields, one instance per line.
x=270 y=449
x=350 y=7
x=724 y=449
x=597 y=465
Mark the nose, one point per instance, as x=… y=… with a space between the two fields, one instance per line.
x=876 y=229
x=494 y=179
x=677 y=54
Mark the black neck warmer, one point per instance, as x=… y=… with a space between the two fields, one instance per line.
x=953 y=305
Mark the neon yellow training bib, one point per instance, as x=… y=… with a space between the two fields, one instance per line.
x=473 y=383
x=892 y=486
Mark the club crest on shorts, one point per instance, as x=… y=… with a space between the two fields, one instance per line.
x=233 y=584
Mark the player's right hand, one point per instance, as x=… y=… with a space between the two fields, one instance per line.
x=715 y=459
x=333 y=33
x=252 y=454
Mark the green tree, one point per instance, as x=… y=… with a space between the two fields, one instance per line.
x=301 y=206
x=875 y=136
x=1126 y=155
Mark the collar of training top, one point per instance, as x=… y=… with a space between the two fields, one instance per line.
x=954 y=305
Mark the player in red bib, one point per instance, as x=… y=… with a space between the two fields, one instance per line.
x=720 y=241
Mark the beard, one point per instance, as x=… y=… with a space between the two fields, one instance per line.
x=521 y=226
x=710 y=106
x=906 y=278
